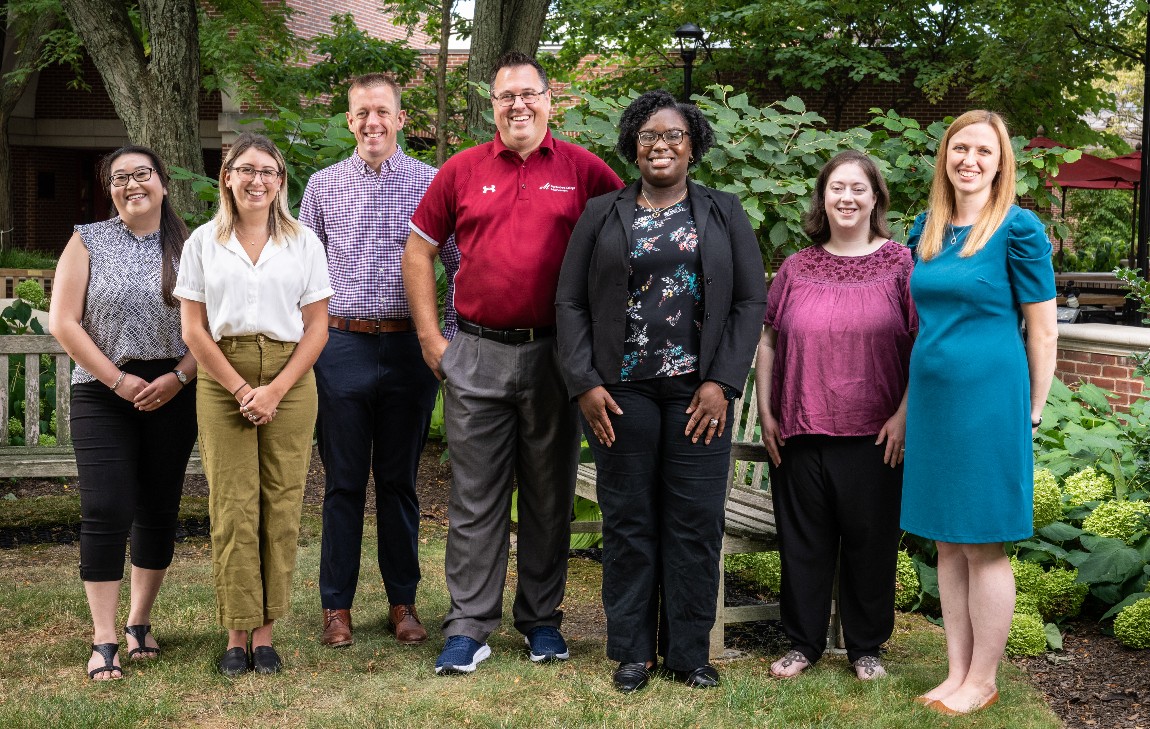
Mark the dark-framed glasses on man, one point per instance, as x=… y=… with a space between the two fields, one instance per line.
x=529 y=97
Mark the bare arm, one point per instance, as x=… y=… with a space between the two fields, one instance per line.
x=194 y=318
x=419 y=282
x=764 y=372
x=1041 y=351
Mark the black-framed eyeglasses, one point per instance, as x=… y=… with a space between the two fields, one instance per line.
x=247 y=174
x=670 y=136
x=529 y=97
x=140 y=174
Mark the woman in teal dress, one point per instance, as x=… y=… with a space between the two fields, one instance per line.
x=976 y=393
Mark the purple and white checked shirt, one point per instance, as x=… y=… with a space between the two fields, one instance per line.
x=362 y=219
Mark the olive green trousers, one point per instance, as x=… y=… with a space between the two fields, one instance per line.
x=256 y=477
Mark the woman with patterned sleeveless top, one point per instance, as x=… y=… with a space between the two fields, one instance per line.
x=254 y=293
x=133 y=398
x=658 y=310
x=831 y=381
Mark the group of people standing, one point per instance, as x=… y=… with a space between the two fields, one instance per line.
x=632 y=312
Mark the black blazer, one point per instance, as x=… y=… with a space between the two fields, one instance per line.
x=591 y=302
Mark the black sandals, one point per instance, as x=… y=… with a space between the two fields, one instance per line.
x=140 y=633
x=108 y=652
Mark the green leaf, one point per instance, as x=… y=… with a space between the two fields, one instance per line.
x=1053 y=636
x=1112 y=566
x=1060 y=532
x=1128 y=600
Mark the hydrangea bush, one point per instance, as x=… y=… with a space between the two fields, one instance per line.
x=1047 y=499
x=1132 y=626
x=1087 y=485
x=1125 y=520
x=1027 y=636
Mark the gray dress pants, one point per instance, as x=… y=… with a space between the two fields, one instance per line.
x=509 y=424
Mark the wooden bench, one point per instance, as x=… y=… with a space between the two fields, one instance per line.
x=750 y=517
x=34 y=460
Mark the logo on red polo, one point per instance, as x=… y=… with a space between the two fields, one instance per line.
x=557 y=188
x=488 y=188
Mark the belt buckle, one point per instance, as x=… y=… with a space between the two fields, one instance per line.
x=375 y=326
x=530 y=335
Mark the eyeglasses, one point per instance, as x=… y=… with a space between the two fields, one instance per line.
x=140 y=174
x=671 y=137
x=247 y=174
x=529 y=97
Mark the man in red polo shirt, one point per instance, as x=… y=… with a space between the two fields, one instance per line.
x=511 y=204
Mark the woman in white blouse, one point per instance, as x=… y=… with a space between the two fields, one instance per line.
x=254 y=291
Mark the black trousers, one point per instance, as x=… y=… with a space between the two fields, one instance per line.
x=131 y=466
x=835 y=500
x=662 y=500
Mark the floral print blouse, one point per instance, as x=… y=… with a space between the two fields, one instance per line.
x=665 y=308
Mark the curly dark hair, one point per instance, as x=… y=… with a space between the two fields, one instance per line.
x=815 y=222
x=644 y=107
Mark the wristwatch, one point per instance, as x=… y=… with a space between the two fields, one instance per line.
x=728 y=391
x=180 y=376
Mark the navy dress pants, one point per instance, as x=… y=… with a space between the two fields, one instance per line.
x=375 y=401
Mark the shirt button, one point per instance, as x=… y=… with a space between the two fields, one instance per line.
x=524 y=186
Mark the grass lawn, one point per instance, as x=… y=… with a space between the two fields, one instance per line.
x=45 y=631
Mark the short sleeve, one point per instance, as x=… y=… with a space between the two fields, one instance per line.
x=190 y=280
x=775 y=294
x=434 y=218
x=1029 y=258
x=316 y=286
x=915 y=233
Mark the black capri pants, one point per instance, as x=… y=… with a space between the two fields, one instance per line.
x=131 y=466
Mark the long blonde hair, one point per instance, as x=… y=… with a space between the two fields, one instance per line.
x=281 y=224
x=942 y=200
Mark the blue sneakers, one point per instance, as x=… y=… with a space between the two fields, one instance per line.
x=461 y=655
x=546 y=644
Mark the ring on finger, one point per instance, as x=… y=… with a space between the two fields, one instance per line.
x=714 y=423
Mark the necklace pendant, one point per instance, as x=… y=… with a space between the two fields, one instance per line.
x=656 y=213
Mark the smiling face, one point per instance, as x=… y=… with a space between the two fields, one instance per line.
x=374 y=117
x=973 y=160
x=137 y=202
x=257 y=194
x=662 y=164
x=848 y=200
x=521 y=126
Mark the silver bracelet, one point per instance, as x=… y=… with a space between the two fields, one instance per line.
x=119 y=379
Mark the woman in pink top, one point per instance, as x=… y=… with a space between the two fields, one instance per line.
x=831 y=378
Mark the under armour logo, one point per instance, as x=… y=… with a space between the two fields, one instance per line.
x=487 y=189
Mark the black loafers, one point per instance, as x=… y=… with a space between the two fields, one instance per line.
x=266 y=660
x=631 y=676
x=702 y=677
x=234 y=662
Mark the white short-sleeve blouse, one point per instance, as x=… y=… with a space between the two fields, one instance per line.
x=243 y=298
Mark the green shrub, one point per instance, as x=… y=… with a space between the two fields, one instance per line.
x=1087 y=485
x=1132 y=626
x=762 y=568
x=1028 y=577
x=1047 y=499
x=1026 y=604
x=32 y=292
x=1061 y=597
x=1027 y=636
x=906 y=584
x=1125 y=520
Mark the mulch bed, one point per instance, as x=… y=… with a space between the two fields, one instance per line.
x=1094 y=682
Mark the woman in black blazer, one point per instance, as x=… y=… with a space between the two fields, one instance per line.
x=659 y=309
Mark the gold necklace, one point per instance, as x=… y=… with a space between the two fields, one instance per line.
x=656 y=212
x=240 y=238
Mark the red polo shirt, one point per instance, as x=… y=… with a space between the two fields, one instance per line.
x=512 y=219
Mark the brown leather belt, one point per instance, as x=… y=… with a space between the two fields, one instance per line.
x=370 y=326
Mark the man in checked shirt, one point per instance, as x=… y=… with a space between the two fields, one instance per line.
x=375 y=391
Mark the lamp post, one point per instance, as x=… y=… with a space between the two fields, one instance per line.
x=690 y=38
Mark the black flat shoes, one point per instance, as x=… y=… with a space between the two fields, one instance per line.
x=702 y=677
x=266 y=660
x=631 y=676
x=234 y=662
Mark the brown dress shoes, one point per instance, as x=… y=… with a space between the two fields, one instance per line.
x=404 y=622
x=336 y=628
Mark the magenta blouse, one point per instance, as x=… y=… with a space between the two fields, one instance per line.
x=845 y=328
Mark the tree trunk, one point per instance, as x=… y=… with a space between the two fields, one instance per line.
x=156 y=92
x=499 y=26
x=23 y=41
x=442 y=113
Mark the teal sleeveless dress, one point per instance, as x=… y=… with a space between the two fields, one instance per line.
x=969 y=465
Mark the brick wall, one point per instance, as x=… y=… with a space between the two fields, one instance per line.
x=1100 y=355
x=313 y=17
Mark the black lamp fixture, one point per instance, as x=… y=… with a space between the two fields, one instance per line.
x=690 y=38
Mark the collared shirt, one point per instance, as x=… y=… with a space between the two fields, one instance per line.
x=512 y=219
x=124 y=309
x=361 y=218
x=265 y=297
